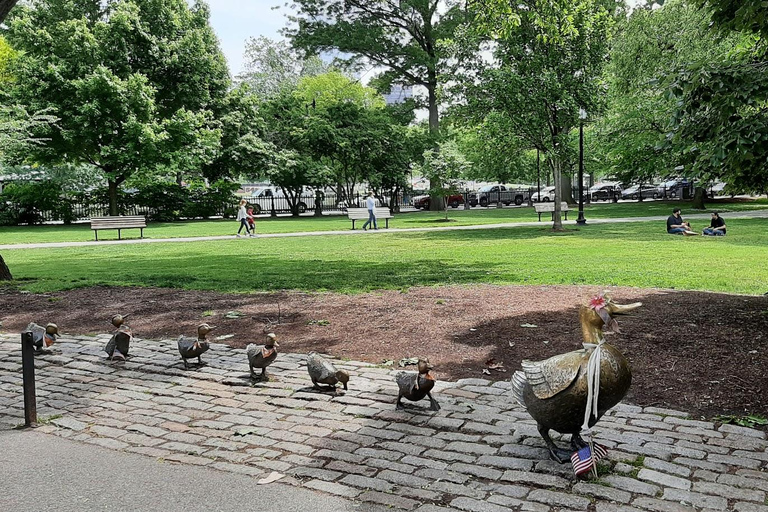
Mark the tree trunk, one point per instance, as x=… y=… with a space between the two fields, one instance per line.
x=566 y=192
x=5 y=8
x=113 y=197
x=554 y=160
x=5 y=272
x=699 y=195
x=435 y=204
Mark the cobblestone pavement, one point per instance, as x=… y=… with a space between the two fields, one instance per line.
x=481 y=452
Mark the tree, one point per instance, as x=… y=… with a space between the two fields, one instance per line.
x=445 y=167
x=496 y=152
x=399 y=36
x=544 y=69
x=242 y=149
x=291 y=133
x=5 y=8
x=133 y=83
x=348 y=126
x=720 y=115
x=649 y=44
x=273 y=66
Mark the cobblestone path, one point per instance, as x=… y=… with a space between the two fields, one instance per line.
x=480 y=453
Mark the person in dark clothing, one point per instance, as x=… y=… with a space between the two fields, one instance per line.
x=677 y=226
x=716 y=226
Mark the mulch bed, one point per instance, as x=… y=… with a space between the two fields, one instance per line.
x=703 y=353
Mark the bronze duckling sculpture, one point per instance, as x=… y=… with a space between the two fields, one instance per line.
x=43 y=337
x=322 y=371
x=556 y=391
x=262 y=356
x=195 y=347
x=415 y=386
x=118 y=345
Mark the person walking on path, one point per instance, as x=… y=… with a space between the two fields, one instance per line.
x=370 y=203
x=242 y=217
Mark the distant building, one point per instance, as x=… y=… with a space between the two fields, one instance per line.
x=398 y=94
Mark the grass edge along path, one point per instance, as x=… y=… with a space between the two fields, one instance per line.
x=635 y=254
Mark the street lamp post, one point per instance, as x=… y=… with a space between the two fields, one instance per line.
x=582 y=116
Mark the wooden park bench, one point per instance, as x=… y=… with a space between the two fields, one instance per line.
x=550 y=207
x=118 y=223
x=362 y=214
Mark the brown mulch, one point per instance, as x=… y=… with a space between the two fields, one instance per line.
x=703 y=353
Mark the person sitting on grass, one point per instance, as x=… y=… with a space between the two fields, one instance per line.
x=677 y=226
x=716 y=226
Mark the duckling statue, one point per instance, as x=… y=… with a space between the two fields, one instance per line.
x=322 y=371
x=556 y=391
x=118 y=345
x=261 y=357
x=195 y=347
x=43 y=337
x=415 y=386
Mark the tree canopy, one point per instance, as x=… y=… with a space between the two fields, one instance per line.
x=132 y=83
x=544 y=69
x=399 y=36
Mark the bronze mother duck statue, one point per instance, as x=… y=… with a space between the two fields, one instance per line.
x=557 y=391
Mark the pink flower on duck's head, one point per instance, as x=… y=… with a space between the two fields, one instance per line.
x=598 y=302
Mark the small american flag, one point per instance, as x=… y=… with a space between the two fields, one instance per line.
x=583 y=459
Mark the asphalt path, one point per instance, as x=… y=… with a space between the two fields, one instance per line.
x=504 y=225
x=41 y=473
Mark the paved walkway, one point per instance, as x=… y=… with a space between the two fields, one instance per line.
x=698 y=216
x=480 y=453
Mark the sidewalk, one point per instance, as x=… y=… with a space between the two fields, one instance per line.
x=481 y=452
x=46 y=473
x=698 y=216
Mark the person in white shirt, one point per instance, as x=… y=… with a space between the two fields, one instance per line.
x=370 y=203
x=242 y=218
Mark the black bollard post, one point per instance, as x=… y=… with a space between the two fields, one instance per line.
x=28 y=371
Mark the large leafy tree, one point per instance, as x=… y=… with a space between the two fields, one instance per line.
x=648 y=44
x=545 y=68
x=133 y=82
x=291 y=136
x=401 y=37
x=273 y=66
x=721 y=114
x=496 y=152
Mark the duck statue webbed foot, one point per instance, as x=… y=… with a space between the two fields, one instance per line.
x=555 y=391
x=416 y=386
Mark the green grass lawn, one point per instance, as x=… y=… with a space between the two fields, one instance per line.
x=475 y=216
x=628 y=254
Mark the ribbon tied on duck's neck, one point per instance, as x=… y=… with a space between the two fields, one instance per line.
x=597 y=303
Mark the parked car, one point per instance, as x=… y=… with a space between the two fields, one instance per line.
x=547 y=194
x=453 y=201
x=492 y=194
x=604 y=191
x=671 y=188
x=635 y=192
x=261 y=200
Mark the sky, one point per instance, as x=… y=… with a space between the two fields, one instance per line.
x=234 y=21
